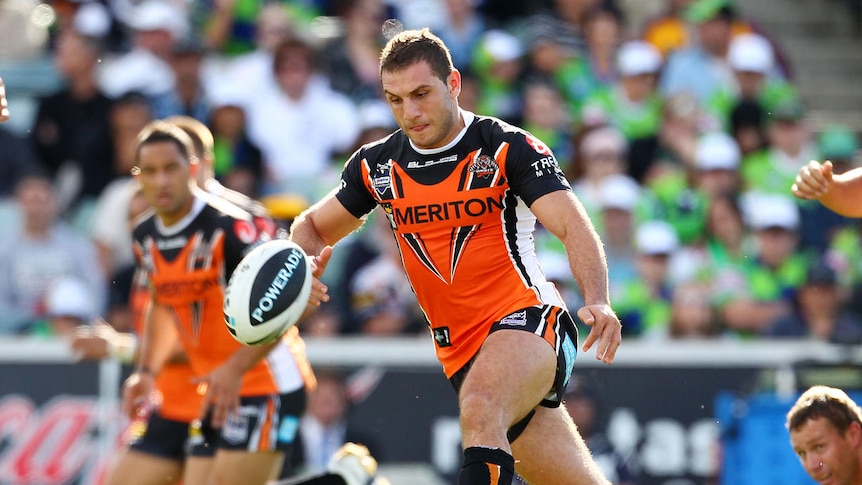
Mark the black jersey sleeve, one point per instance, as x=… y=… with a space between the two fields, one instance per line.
x=532 y=169
x=353 y=192
x=241 y=236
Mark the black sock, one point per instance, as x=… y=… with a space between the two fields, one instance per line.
x=486 y=466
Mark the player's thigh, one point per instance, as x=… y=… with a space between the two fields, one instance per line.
x=550 y=451
x=198 y=470
x=511 y=374
x=134 y=467
x=239 y=467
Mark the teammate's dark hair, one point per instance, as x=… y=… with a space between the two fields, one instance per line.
x=822 y=402
x=161 y=131
x=411 y=46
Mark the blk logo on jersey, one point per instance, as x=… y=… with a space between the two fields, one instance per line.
x=441 y=336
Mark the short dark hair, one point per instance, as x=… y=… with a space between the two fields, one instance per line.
x=160 y=131
x=411 y=46
x=824 y=402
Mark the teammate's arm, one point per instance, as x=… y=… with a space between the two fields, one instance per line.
x=158 y=343
x=564 y=216
x=224 y=382
x=841 y=193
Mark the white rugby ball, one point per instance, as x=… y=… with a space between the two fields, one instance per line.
x=267 y=292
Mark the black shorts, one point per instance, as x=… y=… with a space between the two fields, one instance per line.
x=263 y=423
x=550 y=323
x=159 y=436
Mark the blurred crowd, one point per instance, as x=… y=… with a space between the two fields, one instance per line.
x=680 y=132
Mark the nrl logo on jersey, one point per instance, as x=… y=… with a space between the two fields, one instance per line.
x=381 y=180
x=484 y=166
x=429 y=163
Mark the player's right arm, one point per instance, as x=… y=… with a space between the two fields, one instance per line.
x=841 y=193
x=323 y=224
x=158 y=343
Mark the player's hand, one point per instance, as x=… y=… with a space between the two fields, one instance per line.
x=137 y=392
x=813 y=180
x=92 y=342
x=606 y=329
x=4 y=104
x=222 y=393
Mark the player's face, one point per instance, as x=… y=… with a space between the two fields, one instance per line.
x=424 y=106
x=828 y=457
x=164 y=177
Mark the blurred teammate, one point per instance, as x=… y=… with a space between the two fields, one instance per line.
x=826 y=433
x=842 y=193
x=463 y=193
x=4 y=104
x=188 y=248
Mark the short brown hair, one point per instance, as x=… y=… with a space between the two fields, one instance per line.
x=200 y=134
x=824 y=402
x=411 y=46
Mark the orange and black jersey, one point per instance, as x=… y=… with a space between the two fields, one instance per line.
x=461 y=217
x=188 y=265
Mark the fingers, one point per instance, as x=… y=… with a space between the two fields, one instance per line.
x=319 y=262
x=219 y=402
x=587 y=317
x=606 y=330
x=813 y=180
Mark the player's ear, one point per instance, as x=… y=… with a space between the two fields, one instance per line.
x=854 y=433
x=454 y=83
x=194 y=165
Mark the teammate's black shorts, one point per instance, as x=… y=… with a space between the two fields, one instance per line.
x=159 y=436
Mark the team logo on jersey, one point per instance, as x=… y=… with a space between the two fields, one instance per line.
x=245 y=231
x=484 y=166
x=517 y=319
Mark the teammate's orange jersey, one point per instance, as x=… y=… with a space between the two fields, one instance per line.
x=180 y=400
x=462 y=221
x=188 y=265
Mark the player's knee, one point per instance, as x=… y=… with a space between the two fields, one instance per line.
x=480 y=412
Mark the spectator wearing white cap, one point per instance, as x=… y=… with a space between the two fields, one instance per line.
x=156 y=27
x=619 y=196
x=601 y=152
x=763 y=287
x=643 y=302
x=498 y=63
x=69 y=303
x=632 y=104
x=752 y=60
x=717 y=158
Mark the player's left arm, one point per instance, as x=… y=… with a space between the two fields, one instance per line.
x=565 y=217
